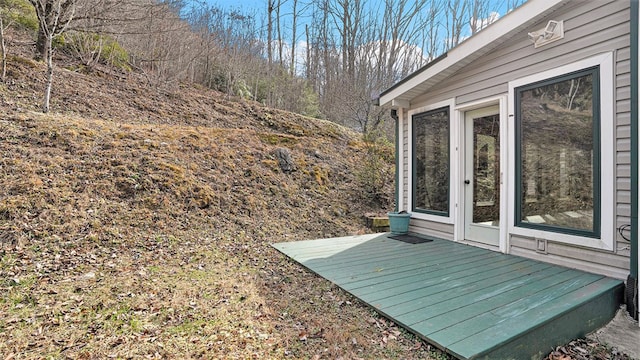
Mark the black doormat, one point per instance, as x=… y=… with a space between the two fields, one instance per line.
x=411 y=239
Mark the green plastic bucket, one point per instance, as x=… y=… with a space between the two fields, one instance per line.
x=399 y=222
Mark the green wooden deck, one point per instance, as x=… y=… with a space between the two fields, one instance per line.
x=470 y=302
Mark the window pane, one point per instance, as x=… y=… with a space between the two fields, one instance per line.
x=431 y=161
x=486 y=170
x=557 y=159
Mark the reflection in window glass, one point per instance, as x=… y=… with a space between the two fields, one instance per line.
x=486 y=170
x=558 y=154
x=431 y=162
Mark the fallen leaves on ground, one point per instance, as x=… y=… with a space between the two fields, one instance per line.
x=584 y=349
x=147 y=240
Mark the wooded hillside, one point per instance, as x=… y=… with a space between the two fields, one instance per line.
x=135 y=221
x=328 y=59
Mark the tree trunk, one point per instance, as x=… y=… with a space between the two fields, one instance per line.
x=270 y=32
x=3 y=48
x=293 y=38
x=54 y=16
x=41 y=45
x=49 y=59
x=279 y=31
x=345 y=35
x=307 y=68
x=46 y=18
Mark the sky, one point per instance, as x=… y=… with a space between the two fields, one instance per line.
x=261 y=5
x=258 y=5
x=258 y=8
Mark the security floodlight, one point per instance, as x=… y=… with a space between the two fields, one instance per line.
x=552 y=32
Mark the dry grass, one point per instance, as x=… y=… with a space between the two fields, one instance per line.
x=133 y=240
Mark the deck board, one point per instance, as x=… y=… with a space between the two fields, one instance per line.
x=479 y=316
x=438 y=299
x=460 y=269
x=470 y=302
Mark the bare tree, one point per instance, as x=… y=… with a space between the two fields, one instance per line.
x=430 y=38
x=3 y=48
x=401 y=30
x=354 y=48
x=270 y=8
x=455 y=13
x=293 y=37
x=3 y=44
x=54 y=16
x=480 y=15
x=308 y=69
x=512 y=4
x=348 y=18
x=279 y=32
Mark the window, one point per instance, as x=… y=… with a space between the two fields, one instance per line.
x=558 y=154
x=431 y=162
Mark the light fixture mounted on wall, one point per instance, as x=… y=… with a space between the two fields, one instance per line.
x=552 y=32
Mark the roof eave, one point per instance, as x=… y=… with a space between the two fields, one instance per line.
x=470 y=49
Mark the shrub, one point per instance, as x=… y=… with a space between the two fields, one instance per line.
x=241 y=89
x=310 y=103
x=19 y=14
x=91 y=48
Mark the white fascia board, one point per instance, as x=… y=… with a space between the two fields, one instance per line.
x=398 y=103
x=511 y=22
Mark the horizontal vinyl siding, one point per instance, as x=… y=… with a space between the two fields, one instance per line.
x=443 y=231
x=624 y=170
x=624 y=119
x=606 y=263
x=591 y=28
x=623 y=147
x=624 y=144
x=624 y=184
x=623 y=133
x=405 y=162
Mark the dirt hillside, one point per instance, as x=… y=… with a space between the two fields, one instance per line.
x=135 y=221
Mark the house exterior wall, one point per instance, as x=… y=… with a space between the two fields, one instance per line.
x=591 y=28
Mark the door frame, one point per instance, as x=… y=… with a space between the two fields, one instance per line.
x=460 y=110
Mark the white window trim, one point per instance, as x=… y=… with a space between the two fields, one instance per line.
x=453 y=161
x=607 y=153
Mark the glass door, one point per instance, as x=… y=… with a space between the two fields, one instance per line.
x=482 y=176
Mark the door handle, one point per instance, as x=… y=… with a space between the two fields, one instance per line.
x=467 y=182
